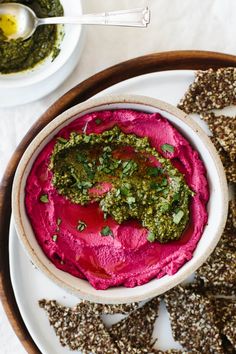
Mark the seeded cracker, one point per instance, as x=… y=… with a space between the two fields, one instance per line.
x=171 y=351
x=228 y=238
x=229 y=166
x=99 y=309
x=224 y=130
x=212 y=89
x=220 y=268
x=134 y=333
x=79 y=330
x=192 y=321
x=226 y=318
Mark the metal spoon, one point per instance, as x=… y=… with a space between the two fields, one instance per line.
x=27 y=21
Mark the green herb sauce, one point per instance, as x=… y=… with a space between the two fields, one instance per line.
x=17 y=55
x=158 y=197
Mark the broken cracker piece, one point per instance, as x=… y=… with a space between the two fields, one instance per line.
x=103 y=309
x=223 y=129
x=170 y=351
x=220 y=268
x=226 y=318
x=192 y=321
x=134 y=333
x=229 y=166
x=211 y=89
x=79 y=330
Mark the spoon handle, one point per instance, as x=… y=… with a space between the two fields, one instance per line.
x=132 y=18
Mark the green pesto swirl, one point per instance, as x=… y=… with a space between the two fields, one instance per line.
x=143 y=184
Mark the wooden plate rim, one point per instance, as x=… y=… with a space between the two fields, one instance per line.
x=173 y=60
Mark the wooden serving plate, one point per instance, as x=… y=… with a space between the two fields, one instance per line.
x=175 y=60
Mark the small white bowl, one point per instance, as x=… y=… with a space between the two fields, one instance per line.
x=29 y=85
x=217 y=205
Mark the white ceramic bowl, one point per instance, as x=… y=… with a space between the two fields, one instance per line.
x=26 y=86
x=217 y=205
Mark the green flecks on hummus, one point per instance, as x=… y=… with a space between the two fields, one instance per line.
x=17 y=55
x=143 y=185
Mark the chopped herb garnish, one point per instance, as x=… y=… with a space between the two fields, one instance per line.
x=129 y=167
x=164 y=207
x=59 y=221
x=153 y=171
x=54 y=238
x=151 y=236
x=44 y=198
x=167 y=148
x=156 y=186
x=164 y=182
x=131 y=200
x=106 y=231
x=81 y=157
x=81 y=225
x=87 y=138
x=178 y=216
x=176 y=197
x=98 y=121
x=124 y=190
x=61 y=140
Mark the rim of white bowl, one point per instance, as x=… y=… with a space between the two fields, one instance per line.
x=8 y=80
x=103 y=296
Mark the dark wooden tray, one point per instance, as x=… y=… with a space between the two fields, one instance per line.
x=143 y=65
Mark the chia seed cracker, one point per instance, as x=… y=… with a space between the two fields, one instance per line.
x=134 y=333
x=79 y=330
x=223 y=129
x=212 y=89
x=192 y=321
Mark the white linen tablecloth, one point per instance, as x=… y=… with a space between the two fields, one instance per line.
x=175 y=25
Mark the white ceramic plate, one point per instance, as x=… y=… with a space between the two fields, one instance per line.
x=23 y=87
x=30 y=284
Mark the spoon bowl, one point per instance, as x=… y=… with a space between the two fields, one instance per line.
x=27 y=21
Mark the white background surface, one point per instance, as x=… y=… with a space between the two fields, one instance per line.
x=175 y=24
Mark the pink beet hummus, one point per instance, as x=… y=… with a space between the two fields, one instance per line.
x=128 y=258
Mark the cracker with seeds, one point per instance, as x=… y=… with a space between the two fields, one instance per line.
x=79 y=330
x=226 y=318
x=192 y=321
x=211 y=89
x=134 y=333
x=104 y=309
x=229 y=166
x=170 y=351
x=228 y=238
x=219 y=269
x=223 y=129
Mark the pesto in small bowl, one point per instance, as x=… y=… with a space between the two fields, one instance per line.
x=17 y=55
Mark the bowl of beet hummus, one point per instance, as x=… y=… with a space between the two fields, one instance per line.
x=120 y=198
